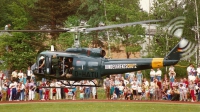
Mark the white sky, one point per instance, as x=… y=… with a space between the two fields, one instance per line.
x=145 y=4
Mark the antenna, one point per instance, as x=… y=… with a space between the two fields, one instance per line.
x=76 y=40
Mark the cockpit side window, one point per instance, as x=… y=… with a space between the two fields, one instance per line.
x=80 y=63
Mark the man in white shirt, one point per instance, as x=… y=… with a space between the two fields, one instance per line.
x=29 y=73
x=152 y=74
x=158 y=74
x=189 y=69
x=14 y=76
x=20 y=75
x=58 y=90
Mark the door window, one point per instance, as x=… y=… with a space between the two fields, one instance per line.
x=93 y=66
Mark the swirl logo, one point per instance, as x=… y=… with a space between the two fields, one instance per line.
x=175 y=27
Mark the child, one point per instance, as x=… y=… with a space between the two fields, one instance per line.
x=169 y=95
x=140 y=91
x=114 y=97
x=151 y=91
x=81 y=93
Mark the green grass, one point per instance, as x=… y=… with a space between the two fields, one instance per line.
x=98 y=107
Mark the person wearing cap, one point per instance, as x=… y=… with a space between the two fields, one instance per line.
x=41 y=64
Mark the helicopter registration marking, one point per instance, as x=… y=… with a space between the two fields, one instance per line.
x=86 y=74
x=120 y=66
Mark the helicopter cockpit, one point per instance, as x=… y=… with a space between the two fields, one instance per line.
x=53 y=65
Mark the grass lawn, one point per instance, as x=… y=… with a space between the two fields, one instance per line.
x=98 y=107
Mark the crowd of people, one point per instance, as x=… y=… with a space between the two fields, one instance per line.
x=23 y=86
x=134 y=87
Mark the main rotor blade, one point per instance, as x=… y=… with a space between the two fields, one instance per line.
x=34 y=31
x=120 y=25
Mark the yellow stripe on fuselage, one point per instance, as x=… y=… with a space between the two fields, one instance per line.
x=157 y=62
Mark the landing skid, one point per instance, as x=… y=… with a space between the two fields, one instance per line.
x=77 y=83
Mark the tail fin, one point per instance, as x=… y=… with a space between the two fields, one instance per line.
x=175 y=53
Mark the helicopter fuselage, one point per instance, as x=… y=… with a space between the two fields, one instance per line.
x=88 y=64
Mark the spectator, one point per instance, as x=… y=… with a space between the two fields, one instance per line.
x=151 y=92
x=171 y=68
x=7 y=26
x=22 y=88
x=121 y=88
x=134 y=87
x=29 y=73
x=172 y=76
x=1 y=78
x=139 y=77
x=198 y=84
x=157 y=89
x=13 y=88
x=14 y=76
x=87 y=89
x=20 y=76
x=139 y=90
x=152 y=74
x=175 y=94
x=58 y=90
x=127 y=76
x=183 y=92
x=81 y=93
x=41 y=85
x=169 y=94
x=107 y=88
x=158 y=74
x=4 y=91
x=192 y=91
x=32 y=88
x=46 y=96
x=114 y=97
x=94 y=89
x=198 y=71
x=131 y=75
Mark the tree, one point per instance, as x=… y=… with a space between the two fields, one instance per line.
x=18 y=50
x=4 y=9
x=170 y=9
x=123 y=12
x=92 y=11
x=51 y=14
x=15 y=52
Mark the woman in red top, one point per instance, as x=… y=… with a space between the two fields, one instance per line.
x=54 y=93
x=66 y=93
x=46 y=96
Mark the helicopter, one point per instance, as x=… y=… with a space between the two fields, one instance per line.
x=76 y=63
